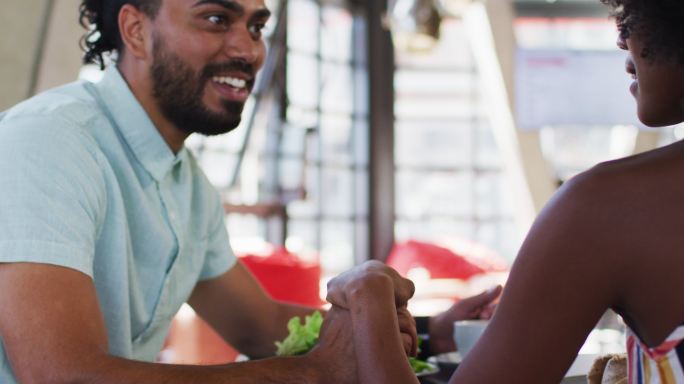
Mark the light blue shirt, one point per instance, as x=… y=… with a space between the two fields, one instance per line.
x=88 y=183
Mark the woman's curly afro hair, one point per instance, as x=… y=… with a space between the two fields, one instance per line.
x=100 y=18
x=659 y=23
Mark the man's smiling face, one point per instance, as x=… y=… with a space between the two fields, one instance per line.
x=206 y=54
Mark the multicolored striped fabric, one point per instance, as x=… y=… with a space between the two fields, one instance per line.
x=662 y=364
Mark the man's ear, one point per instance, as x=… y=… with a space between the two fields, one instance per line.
x=134 y=30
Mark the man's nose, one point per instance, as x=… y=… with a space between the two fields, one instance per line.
x=241 y=44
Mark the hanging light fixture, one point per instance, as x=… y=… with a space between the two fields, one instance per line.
x=415 y=24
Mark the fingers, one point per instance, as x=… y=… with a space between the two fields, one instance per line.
x=362 y=277
x=409 y=333
x=478 y=301
x=335 y=297
x=487 y=312
x=403 y=291
x=408 y=344
x=403 y=288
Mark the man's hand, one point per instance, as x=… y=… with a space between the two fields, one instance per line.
x=363 y=278
x=441 y=327
x=409 y=334
x=334 y=352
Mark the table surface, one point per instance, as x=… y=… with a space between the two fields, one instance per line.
x=580 y=365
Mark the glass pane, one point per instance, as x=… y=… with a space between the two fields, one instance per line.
x=434 y=107
x=336 y=139
x=337 y=88
x=302 y=89
x=361 y=95
x=421 y=194
x=361 y=249
x=361 y=197
x=412 y=83
x=361 y=138
x=303 y=20
x=218 y=166
x=434 y=230
x=302 y=117
x=337 y=251
x=293 y=141
x=303 y=209
x=243 y=226
x=336 y=34
x=292 y=175
x=302 y=236
x=337 y=192
x=441 y=144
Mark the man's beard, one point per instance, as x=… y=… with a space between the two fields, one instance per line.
x=179 y=90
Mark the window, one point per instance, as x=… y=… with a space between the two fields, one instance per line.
x=307 y=148
x=450 y=183
x=327 y=99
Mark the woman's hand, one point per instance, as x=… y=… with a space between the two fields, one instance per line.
x=366 y=280
x=441 y=327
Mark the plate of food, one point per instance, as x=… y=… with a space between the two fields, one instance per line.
x=304 y=335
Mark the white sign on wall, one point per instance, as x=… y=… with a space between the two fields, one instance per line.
x=563 y=87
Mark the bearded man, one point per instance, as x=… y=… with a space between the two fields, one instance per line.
x=108 y=225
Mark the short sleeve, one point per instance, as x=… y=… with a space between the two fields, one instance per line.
x=219 y=257
x=52 y=193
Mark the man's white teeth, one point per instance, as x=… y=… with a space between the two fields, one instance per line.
x=232 y=81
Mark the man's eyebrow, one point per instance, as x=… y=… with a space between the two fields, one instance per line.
x=227 y=4
x=262 y=13
x=234 y=7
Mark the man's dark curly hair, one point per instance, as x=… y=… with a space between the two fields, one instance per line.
x=660 y=23
x=100 y=18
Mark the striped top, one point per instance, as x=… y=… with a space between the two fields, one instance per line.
x=663 y=364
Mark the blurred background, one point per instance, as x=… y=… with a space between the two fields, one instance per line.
x=425 y=133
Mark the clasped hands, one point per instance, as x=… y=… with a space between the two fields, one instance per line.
x=374 y=282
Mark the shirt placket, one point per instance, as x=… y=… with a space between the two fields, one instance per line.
x=169 y=286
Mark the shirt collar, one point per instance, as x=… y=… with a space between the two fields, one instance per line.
x=135 y=125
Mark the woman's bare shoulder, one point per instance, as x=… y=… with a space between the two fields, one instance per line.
x=616 y=210
x=642 y=182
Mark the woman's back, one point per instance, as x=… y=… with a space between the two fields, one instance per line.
x=645 y=196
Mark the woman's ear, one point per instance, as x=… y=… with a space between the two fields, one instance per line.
x=133 y=27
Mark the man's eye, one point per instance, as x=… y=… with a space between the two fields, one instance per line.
x=217 y=19
x=257 y=28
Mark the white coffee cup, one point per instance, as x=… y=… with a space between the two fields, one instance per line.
x=466 y=334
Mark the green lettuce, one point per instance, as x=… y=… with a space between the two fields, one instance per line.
x=420 y=366
x=302 y=337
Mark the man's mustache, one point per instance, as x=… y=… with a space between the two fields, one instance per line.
x=212 y=70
